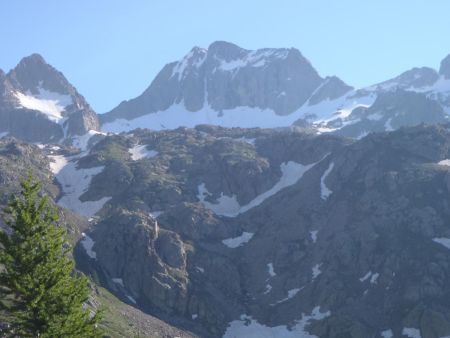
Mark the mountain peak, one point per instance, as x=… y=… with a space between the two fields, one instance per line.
x=445 y=67
x=220 y=45
x=33 y=72
x=34 y=58
x=225 y=50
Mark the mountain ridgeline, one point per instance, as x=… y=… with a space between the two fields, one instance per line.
x=223 y=85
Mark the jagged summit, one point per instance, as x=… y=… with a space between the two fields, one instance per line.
x=225 y=77
x=38 y=104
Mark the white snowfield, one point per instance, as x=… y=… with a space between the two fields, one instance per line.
x=74 y=182
x=272 y=274
x=291 y=172
x=250 y=328
x=236 y=242
x=387 y=334
x=373 y=277
x=325 y=192
x=445 y=162
x=271 y=270
x=131 y=299
x=118 y=281
x=88 y=243
x=4 y=134
x=140 y=151
x=291 y=294
x=313 y=234
x=155 y=214
x=316 y=271
x=411 y=332
x=245 y=117
x=181 y=66
x=82 y=141
x=48 y=103
x=255 y=58
x=443 y=241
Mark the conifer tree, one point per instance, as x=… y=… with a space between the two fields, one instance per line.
x=39 y=287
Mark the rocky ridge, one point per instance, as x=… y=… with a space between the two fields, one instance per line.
x=233 y=87
x=38 y=104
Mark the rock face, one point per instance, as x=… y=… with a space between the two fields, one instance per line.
x=16 y=160
x=225 y=77
x=351 y=234
x=390 y=111
x=38 y=104
x=414 y=78
x=331 y=89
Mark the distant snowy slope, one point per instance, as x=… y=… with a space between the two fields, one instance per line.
x=233 y=87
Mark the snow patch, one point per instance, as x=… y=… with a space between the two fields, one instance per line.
x=253 y=59
x=366 y=276
x=325 y=192
x=140 y=151
x=375 y=117
x=443 y=241
x=236 y=242
x=48 y=103
x=88 y=244
x=118 y=281
x=225 y=206
x=272 y=274
x=181 y=66
x=271 y=270
x=316 y=271
x=4 y=134
x=248 y=327
x=156 y=214
x=411 y=332
x=373 y=277
x=445 y=162
x=364 y=133
x=82 y=141
x=131 y=299
x=194 y=316
x=247 y=140
x=313 y=234
x=75 y=182
x=388 y=125
x=291 y=293
x=387 y=334
x=57 y=163
x=245 y=117
x=291 y=172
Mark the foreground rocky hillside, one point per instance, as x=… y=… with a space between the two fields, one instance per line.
x=255 y=233
x=17 y=160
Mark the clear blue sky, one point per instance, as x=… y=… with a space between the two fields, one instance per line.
x=111 y=50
